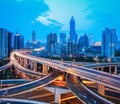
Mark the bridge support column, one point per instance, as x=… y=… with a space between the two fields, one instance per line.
x=115 y=69
x=97 y=68
x=57 y=92
x=31 y=65
x=45 y=69
x=57 y=96
x=102 y=69
x=20 y=61
x=101 y=89
x=110 y=69
x=35 y=66
x=25 y=63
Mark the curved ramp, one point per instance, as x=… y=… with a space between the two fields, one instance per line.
x=9 y=65
x=22 y=69
x=83 y=93
x=14 y=81
x=17 y=101
x=12 y=91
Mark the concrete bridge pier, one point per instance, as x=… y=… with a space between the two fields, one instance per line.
x=57 y=92
x=102 y=69
x=115 y=68
x=110 y=69
x=31 y=65
x=101 y=89
x=44 y=69
x=20 y=61
x=25 y=63
x=34 y=66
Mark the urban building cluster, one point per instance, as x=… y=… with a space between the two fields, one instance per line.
x=68 y=46
x=8 y=42
x=74 y=47
x=33 y=44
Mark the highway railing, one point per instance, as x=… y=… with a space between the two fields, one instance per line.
x=83 y=93
x=106 y=79
x=15 y=90
x=7 y=66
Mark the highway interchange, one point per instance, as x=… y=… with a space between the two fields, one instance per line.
x=74 y=71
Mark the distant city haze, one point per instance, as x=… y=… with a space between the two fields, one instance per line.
x=53 y=16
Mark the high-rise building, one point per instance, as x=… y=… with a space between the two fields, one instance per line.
x=90 y=40
x=72 y=49
x=73 y=35
x=51 y=44
x=3 y=43
x=33 y=44
x=118 y=45
x=10 y=42
x=115 y=37
x=18 y=41
x=62 y=38
x=108 y=43
x=62 y=44
x=33 y=36
x=28 y=44
x=83 y=43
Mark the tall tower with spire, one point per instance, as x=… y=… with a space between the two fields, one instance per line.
x=33 y=36
x=73 y=35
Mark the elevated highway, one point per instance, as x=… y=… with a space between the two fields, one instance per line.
x=106 y=79
x=102 y=65
x=9 y=65
x=73 y=82
x=15 y=90
x=22 y=69
x=14 y=81
x=82 y=92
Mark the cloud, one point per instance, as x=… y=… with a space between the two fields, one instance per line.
x=45 y=20
x=62 y=12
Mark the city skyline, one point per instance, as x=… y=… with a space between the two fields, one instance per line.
x=46 y=16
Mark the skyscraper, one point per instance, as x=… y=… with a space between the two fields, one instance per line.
x=18 y=41
x=90 y=40
x=3 y=43
x=63 y=44
x=10 y=42
x=72 y=49
x=33 y=36
x=115 y=37
x=62 y=38
x=73 y=35
x=51 y=44
x=83 y=43
x=108 y=43
x=28 y=44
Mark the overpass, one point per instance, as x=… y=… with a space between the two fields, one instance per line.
x=102 y=78
x=106 y=79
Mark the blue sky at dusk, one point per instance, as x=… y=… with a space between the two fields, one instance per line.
x=45 y=16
